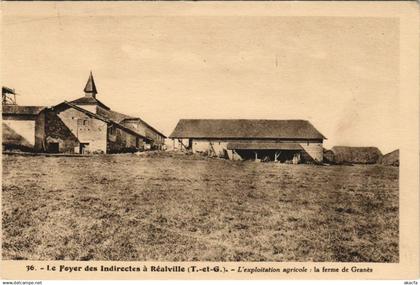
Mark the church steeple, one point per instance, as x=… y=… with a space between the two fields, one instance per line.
x=90 y=88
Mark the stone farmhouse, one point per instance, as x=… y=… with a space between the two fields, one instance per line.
x=85 y=125
x=271 y=140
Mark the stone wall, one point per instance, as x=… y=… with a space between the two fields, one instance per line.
x=120 y=140
x=71 y=127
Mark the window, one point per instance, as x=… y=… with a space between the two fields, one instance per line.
x=82 y=122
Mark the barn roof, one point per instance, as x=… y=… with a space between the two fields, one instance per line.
x=261 y=129
x=21 y=110
x=112 y=115
x=268 y=146
x=120 y=118
x=138 y=119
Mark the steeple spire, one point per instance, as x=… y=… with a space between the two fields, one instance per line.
x=90 y=88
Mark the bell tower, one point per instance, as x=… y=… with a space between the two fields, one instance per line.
x=90 y=88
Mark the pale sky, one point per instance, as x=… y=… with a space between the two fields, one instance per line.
x=342 y=74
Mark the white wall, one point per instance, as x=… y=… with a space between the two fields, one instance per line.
x=314 y=150
x=176 y=144
x=217 y=147
x=25 y=128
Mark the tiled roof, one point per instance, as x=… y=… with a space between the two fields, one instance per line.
x=258 y=129
x=21 y=110
x=149 y=126
x=112 y=115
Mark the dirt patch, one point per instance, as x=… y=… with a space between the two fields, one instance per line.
x=176 y=207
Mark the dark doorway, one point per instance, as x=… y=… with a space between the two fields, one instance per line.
x=53 y=147
x=83 y=148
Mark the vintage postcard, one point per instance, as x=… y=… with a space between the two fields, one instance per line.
x=210 y=140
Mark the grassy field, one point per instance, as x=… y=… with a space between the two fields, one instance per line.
x=175 y=207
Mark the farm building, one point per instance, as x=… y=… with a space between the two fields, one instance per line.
x=20 y=123
x=156 y=138
x=362 y=155
x=20 y=126
x=272 y=140
x=84 y=125
x=72 y=129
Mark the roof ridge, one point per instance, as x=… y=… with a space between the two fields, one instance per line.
x=246 y=128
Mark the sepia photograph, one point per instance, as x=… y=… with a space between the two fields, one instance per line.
x=200 y=137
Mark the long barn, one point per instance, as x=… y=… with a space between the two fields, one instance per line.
x=272 y=140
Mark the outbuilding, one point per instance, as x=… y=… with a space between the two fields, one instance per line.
x=269 y=140
x=21 y=124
